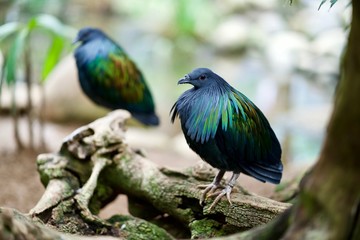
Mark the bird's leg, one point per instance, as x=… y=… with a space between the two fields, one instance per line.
x=212 y=186
x=226 y=191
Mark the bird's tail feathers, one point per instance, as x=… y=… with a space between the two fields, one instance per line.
x=147 y=119
x=264 y=173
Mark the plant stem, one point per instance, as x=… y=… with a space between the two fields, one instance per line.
x=29 y=107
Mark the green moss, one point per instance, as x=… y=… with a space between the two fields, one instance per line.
x=207 y=228
x=141 y=209
x=123 y=157
x=155 y=186
x=309 y=203
x=102 y=194
x=44 y=178
x=137 y=229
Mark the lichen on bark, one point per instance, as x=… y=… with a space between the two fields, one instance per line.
x=94 y=165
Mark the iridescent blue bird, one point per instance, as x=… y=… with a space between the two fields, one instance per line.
x=110 y=78
x=227 y=131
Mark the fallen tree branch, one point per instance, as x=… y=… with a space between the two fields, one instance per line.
x=95 y=164
x=16 y=225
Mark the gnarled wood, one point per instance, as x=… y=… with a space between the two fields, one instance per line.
x=16 y=225
x=95 y=164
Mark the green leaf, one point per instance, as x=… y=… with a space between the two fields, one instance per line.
x=52 y=56
x=332 y=2
x=2 y=76
x=185 y=20
x=53 y=25
x=32 y=23
x=8 y=29
x=17 y=47
x=58 y=33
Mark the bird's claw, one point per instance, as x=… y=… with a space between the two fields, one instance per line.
x=226 y=191
x=209 y=188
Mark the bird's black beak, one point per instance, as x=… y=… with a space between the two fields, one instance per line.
x=76 y=40
x=184 y=80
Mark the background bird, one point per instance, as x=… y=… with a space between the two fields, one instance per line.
x=226 y=130
x=110 y=78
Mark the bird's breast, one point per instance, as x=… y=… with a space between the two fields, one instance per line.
x=90 y=52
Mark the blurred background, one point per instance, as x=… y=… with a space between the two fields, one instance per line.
x=285 y=58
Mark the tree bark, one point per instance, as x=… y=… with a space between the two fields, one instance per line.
x=16 y=225
x=95 y=164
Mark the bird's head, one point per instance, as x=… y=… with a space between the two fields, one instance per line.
x=200 y=77
x=87 y=34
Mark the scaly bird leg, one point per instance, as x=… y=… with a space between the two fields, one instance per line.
x=210 y=188
x=226 y=191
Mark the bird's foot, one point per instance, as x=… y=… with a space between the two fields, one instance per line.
x=226 y=191
x=209 y=188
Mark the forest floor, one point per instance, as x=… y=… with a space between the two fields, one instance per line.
x=20 y=185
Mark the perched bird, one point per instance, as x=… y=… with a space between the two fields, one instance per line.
x=227 y=131
x=110 y=78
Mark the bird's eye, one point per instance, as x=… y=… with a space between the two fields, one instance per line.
x=202 y=77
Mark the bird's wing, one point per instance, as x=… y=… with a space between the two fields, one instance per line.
x=129 y=80
x=119 y=82
x=246 y=135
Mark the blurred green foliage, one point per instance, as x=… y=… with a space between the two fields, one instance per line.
x=14 y=36
x=15 y=44
x=181 y=18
